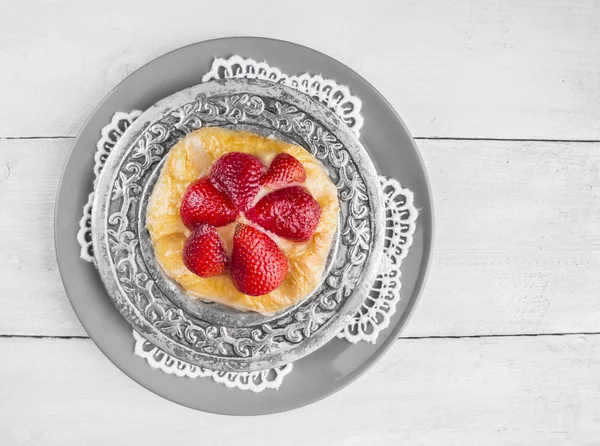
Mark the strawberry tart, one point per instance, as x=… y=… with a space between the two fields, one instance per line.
x=244 y=220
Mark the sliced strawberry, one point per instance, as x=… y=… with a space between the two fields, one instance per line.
x=203 y=252
x=238 y=175
x=284 y=169
x=202 y=202
x=258 y=266
x=291 y=212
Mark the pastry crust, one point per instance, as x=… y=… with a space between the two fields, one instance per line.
x=190 y=159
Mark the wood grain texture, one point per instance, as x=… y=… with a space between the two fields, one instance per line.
x=489 y=68
x=517 y=244
x=539 y=391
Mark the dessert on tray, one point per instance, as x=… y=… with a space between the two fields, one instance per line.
x=241 y=219
x=238 y=225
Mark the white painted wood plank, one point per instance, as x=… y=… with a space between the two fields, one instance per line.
x=33 y=299
x=517 y=238
x=538 y=391
x=490 y=68
x=517 y=244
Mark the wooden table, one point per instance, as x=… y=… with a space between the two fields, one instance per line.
x=504 y=99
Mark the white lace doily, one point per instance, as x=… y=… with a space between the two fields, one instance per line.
x=380 y=304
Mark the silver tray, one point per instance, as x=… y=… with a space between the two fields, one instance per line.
x=211 y=335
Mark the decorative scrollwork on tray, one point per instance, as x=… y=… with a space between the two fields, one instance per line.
x=335 y=96
x=110 y=134
x=146 y=298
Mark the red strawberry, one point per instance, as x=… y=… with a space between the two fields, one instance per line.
x=204 y=253
x=284 y=169
x=204 y=203
x=291 y=212
x=258 y=266
x=238 y=175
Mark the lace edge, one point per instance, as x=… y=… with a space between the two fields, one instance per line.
x=85 y=246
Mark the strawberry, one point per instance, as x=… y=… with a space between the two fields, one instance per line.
x=291 y=212
x=258 y=266
x=203 y=252
x=238 y=175
x=284 y=169
x=202 y=202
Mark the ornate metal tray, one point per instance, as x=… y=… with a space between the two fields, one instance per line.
x=211 y=335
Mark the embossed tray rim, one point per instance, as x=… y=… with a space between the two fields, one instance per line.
x=326 y=118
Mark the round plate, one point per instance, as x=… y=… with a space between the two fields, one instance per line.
x=315 y=376
x=121 y=239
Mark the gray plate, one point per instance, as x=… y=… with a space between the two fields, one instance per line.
x=315 y=376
